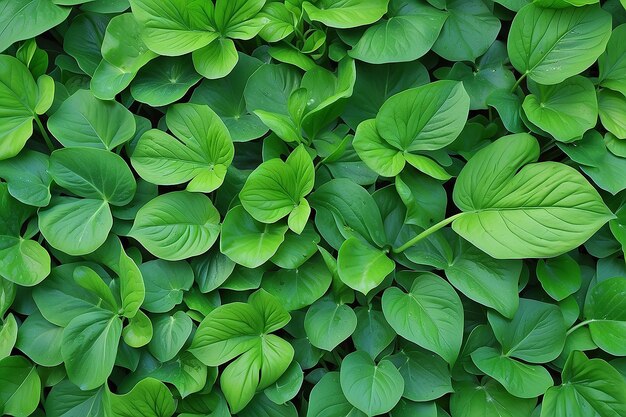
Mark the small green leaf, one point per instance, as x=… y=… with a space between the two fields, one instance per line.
x=361 y=266
x=149 y=398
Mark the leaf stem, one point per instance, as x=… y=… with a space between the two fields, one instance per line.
x=427 y=233
x=45 y=135
x=578 y=326
x=518 y=82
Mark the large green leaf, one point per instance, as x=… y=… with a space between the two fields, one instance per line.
x=604 y=310
x=420 y=119
x=24 y=19
x=346 y=13
x=242 y=331
x=591 y=387
x=429 y=315
x=515 y=211
x=328 y=323
x=536 y=333
x=426 y=375
x=90 y=347
x=551 y=45
x=23 y=261
x=200 y=153
x=67 y=400
x=566 y=110
x=248 y=242
x=83 y=120
x=177 y=225
x=27 y=177
x=21 y=100
x=93 y=174
x=372 y=388
x=412 y=28
x=20 y=387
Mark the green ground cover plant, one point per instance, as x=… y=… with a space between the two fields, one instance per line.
x=323 y=208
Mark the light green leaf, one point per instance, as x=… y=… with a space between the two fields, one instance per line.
x=560 y=277
x=591 y=387
x=20 y=386
x=430 y=315
x=24 y=262
x=83 y=120
x=346 y=13
x=328 y=323
x=275 y=188
x=93 y=174
x=551 y=45
x=200 y=153
x=89 y=348
x=8 y=335
x=361 y=266
x=248 y=242
x=536 y=333
x=40 y=340
x=611 y=109
x=519 y=379
x=217 y=59
x=76 y=226
x=149 y=398
x=543 y=209
x=177 y=225
x=612 y=63
x=27 y=177
x=287 y=386
x=488 y=399
x=170 y=334
x=604 y=309
x=566 y=110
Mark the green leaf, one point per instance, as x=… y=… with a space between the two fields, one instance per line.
x=551 y=45
x=611 y=110
x=519 y=379
x=20 y=101
x=372 y=388
x=170 y=334
x=536 y=333
x=89 y=279
x=411 y=28
x=211 y=270
x=566 y=110
x=328 y=323
x=67 y=400
x=175 y=27
x=276 y=188
x=270 y=87
x=468 y=32
x=93 y=174
x=90 y=346
x=24 y=19
x=165 y=283
x=76 y=226
x=287 y=386
x=217 y=59
x=260 y=358
x=85 y=121
x=149 y=398
x=430 y=315
x=424 y=197
x=200 y=153
x=544 y=209
x=298 y=287
x=612 y=62
x=420 y=119
x=346 y=13
x=186 y=373
x=27 y=177
x=164 y=80
x=138 y=332
x=327 y=395
x=177 y=225
x=606 y=316
x=20 y=386
x=426 y=375
x=248 y=242
x=560 y=277
x=132 y=289
x=590 y=387
x=361 y=266
x=83 y=40
x=24 y=262
x=372 y=334
x=488 y=399
x=8 y=335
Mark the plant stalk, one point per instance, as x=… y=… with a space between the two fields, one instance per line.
x=427 y=233
x=518 y=82
x=45 y=135
x=578 y=326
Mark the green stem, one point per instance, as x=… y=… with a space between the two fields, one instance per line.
x=518 y=82
x=44 y=133
x=427 y=233
x=578 y=326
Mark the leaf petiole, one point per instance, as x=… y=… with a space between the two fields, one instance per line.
x=579 y=325
x=45 y=135
x=427 y=232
